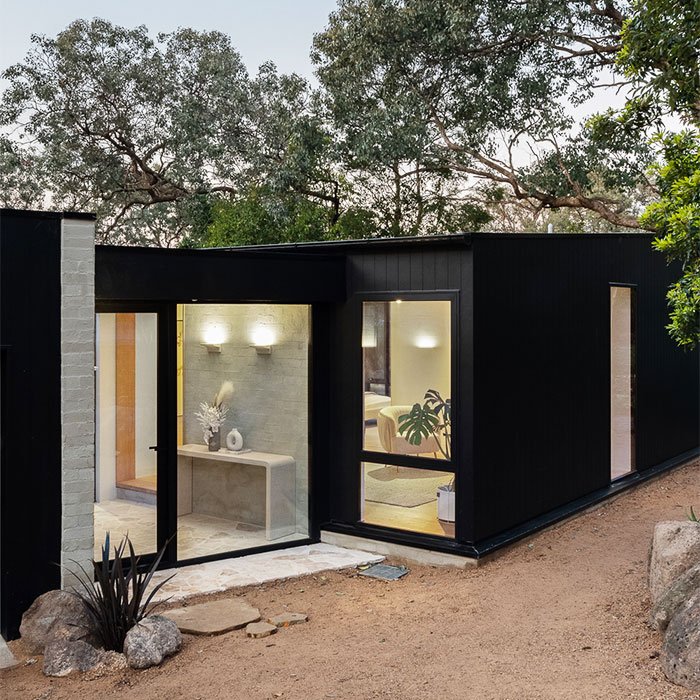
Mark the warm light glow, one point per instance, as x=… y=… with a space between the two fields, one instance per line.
x=214 y=334
x=398 y=301
x=426 y=341
x=262 y=336
x=369 y=338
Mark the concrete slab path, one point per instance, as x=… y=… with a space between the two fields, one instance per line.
x=215 y=576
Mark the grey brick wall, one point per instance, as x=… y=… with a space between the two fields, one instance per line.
x=77 y=393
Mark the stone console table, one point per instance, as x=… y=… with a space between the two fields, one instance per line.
x=255 y=488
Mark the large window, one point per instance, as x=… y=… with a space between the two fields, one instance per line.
x=242 y=426
x=407 y=415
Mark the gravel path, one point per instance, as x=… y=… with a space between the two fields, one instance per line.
x=559 y=616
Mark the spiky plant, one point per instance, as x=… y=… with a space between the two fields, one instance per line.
x=115 y=600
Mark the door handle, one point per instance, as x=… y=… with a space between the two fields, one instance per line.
x=156 y=448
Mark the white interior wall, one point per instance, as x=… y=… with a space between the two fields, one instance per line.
x=146 y=396
x=106 y=433
x=415 y=366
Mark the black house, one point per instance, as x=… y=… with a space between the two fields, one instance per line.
x=449 y=393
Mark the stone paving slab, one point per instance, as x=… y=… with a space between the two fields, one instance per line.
x=260 y=629
x=255 y=569
x=287 y=619
x=214 y=617
x=7 y=659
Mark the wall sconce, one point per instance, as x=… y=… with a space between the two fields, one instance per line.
x=369 y=337
x=214 y=337
x=263 y=339
x=426 y=341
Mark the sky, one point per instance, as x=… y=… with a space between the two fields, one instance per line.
x=261 y=30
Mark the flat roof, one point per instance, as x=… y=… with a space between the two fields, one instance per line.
x=455 y=239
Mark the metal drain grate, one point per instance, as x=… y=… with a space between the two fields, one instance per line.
x=386 y=572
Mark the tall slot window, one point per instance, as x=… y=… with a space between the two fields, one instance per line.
x=622 y=380
x=407 y=416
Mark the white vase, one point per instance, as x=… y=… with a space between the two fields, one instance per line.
x=446 y=504
x=234 y=440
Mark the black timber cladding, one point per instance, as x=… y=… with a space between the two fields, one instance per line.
x=416 y=266
x=542 y=370
x=217 y=275
x=30 y=419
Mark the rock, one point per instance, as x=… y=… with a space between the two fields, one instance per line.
x=680 y=652
x=675 y=548
x=63 y=655
x=150 y=641
x=7 y=659
x=673 y=598
x=215 y=617
x=287 y=619
x=53 y=613
x=260 y=629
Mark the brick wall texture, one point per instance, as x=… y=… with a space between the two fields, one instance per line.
x=77 y=394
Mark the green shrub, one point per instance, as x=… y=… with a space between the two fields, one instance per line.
x=116 y=598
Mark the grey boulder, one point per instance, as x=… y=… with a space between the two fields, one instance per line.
x=675 y=548
x=53 y=614
x=669 y=602
x=150 y=641
x=680 y=652
x=63 y=656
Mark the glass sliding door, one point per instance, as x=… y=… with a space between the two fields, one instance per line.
x=622 y=380
x=406 y=474
x=242 y=466
x=126 y=430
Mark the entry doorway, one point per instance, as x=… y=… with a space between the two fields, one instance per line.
x=159 y=368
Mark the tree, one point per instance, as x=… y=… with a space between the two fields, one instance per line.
x=661 y=57
x=465 y=88
x=147 y=132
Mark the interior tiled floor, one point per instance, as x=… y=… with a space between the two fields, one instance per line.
x=197 y=535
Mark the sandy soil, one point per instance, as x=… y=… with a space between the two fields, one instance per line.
x=559 y=616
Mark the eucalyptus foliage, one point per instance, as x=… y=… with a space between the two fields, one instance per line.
x=660 y=55
x=147 y=132
x=461 y=90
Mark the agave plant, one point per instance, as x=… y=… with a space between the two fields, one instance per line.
x=434 y=417
x=115 y=600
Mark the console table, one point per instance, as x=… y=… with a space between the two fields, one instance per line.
x=229 y=485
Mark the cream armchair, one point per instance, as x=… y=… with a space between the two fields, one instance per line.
x=391 y=441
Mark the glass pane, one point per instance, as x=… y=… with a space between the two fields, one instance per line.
x=243 y=483
x=621 y=381
x=125 y=467
x=406 y=350
x=419 y=500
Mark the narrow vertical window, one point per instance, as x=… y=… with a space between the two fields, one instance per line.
x=622 y=380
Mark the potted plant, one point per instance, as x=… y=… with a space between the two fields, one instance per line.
x=433 y=417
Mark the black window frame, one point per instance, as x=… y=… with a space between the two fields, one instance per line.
x=634 y=293
x=427 y=463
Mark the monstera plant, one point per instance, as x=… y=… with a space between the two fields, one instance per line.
x=433 y=417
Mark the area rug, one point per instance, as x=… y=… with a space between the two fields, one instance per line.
x=403 y=486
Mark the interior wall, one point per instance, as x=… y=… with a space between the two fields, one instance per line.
x=621 y=458
x=270 y=400
x=145 y=395
x=420 y=350
x=106 y=415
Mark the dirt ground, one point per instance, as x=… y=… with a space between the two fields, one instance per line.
x=561 y=615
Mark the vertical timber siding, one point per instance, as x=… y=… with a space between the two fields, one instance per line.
x=542 y=370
